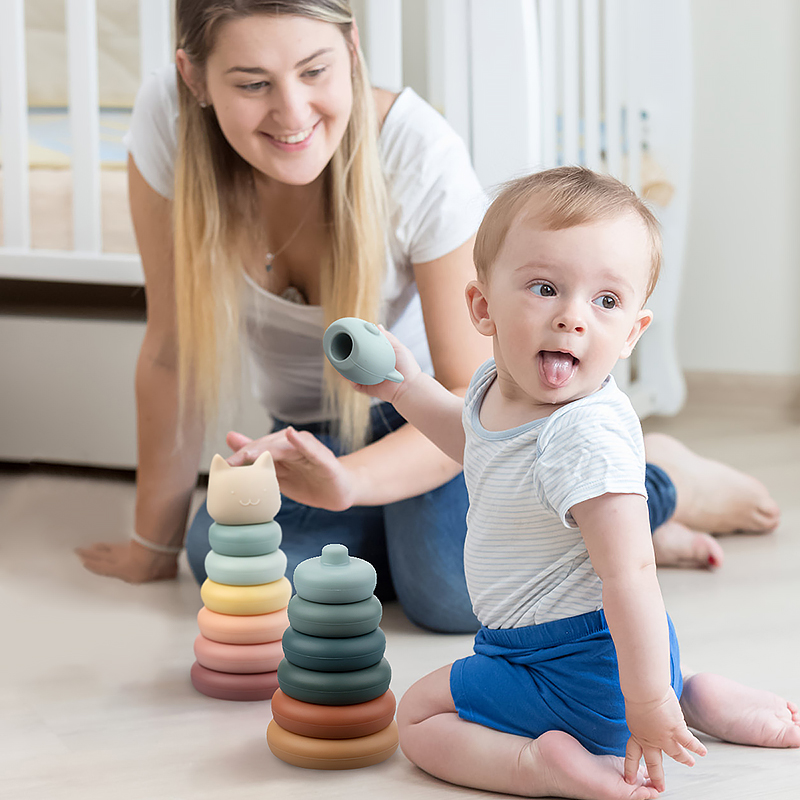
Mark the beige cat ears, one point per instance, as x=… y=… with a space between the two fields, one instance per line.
x=243 y=495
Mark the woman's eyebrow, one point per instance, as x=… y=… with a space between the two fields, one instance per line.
x=261 y=71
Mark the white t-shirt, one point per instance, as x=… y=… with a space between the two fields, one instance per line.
x=435 y=205
x=524 y=557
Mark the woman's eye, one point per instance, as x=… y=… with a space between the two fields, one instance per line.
x=543 y=290
x=607 y=301
x=313 y=73
x=254 y=87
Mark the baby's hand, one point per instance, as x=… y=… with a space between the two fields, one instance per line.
x=655 y=727
x=406 y=365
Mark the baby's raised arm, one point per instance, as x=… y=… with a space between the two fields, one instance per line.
x=616 y=529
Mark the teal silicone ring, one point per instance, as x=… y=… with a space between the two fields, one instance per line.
x=334 y=688
x=335 y=621
x=246 y=570
x=335 y=577
x=245 y=540
x=333 y=655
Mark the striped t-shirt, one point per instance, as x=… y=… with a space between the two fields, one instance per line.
x=524 y=557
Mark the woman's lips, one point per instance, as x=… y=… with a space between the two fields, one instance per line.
x=294 y=141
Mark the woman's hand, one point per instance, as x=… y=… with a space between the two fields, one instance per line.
x=308 y=472
x=129 y=561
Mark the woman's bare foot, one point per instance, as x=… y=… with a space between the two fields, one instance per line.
x=676 y=545
x=712 y=496
x=736 y=713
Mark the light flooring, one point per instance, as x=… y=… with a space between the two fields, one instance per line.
x=96 y=703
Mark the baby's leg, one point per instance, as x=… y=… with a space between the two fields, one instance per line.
x=437 y=740
x=736 y=713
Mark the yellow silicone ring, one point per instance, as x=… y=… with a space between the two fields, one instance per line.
x=303 y=751
x=264 y=598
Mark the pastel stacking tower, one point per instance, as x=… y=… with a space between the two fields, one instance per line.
x=334 y=708
x=246 y=593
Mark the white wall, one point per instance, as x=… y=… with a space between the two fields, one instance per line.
x=741 y=287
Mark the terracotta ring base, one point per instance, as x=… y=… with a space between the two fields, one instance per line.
x=303 y=751
x=230 y=686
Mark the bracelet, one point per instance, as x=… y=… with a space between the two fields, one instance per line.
x=154 y=546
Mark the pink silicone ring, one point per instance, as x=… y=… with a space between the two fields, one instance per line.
x=240 y=658
x=233 y=629
x=228 y=686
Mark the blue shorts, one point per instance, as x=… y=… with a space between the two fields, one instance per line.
x=560 y=675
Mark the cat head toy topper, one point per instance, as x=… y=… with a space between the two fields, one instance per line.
x=243 y=495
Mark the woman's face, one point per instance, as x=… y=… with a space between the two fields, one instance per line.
x=281 y=87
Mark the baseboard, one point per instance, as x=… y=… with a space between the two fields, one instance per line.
x=777 y=393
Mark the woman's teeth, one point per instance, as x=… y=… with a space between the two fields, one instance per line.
x=295 y=137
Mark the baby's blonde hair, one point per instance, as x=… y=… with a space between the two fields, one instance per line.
x=565 y=197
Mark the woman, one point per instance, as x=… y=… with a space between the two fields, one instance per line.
x=273 y=190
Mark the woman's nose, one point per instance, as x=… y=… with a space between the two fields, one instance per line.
x=291 y=107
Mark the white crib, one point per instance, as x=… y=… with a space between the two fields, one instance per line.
x=527 y=83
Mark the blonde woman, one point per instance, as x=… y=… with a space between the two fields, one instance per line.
x=272 y=191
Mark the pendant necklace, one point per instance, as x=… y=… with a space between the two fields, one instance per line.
x=271 y=256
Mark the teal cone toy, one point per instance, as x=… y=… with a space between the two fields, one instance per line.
x=360 y=352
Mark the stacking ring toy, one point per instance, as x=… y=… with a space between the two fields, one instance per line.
x=245 y=570
x=245 y=540
x=242 y=658
x=333 y=722
x=303 y=751
x=232 y=629
x=347 y=619
x=334 y=655
x=334 y=688
x=261 y=599
x=233 y=686
x=335 y=577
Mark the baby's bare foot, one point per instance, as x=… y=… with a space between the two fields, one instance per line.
x=676 y=545
x=712 y=496
x=572 y=771
x=736 y=713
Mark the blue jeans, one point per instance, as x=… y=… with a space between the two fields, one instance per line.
x=416 y=545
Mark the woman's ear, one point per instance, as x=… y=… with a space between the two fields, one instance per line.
x=642 y=323
x=191 y=75
x=478 y=306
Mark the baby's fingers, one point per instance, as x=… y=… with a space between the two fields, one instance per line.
x=655 y=767
x=683 y=743
x=633 y=754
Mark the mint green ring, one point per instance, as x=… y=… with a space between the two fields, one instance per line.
x=245 y=570
x=245 y=540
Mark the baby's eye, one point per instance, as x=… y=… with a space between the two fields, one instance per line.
x=543 y=289
x=607 y=301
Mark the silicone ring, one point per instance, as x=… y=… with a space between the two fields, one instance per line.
x=335 y=621
x=303 y=751
x=243 y=600
x=334 y=655
x=335 y=577
x=333 y=722
x=245 y=570
x=240 y=658
x=233 y=686
x=232 y=629
x=334 y=688
x=245 y=540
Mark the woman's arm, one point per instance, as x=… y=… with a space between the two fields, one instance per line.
x=167 y=473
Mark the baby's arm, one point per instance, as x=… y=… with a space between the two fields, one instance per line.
x=615 y=528
x=424 y=402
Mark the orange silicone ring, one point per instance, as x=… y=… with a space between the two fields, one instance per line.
x=236 y=629
x=303 y=751
x=333 y=722
x=237 y=657
x=233 y=686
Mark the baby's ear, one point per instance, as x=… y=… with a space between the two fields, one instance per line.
x=218 y=463
x=478 y=306
x=643 y=320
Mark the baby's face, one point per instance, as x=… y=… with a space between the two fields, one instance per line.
x=566 y=305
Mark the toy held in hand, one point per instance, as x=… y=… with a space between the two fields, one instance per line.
x=359 y=351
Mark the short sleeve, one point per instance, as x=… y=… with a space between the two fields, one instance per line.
x=152 y=139
x=436 y=200
x=587 y=451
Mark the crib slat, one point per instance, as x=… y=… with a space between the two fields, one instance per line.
x=612 y=80
x=14 y=119
x=155 y=46
x=591 y=84
x=570 y=99
x=84 y=114
x=633 y=116
x=548 y=37
x=384 y=40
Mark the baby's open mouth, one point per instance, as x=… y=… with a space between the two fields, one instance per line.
x=556 y=368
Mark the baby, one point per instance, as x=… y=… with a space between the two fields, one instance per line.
x=576 y=664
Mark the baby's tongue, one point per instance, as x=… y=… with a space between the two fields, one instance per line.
x=556 y=368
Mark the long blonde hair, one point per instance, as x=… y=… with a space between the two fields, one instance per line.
x=216 y=220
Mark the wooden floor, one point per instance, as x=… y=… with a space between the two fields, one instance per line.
x=96 y=701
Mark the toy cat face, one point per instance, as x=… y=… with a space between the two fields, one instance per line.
x=243 y=495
